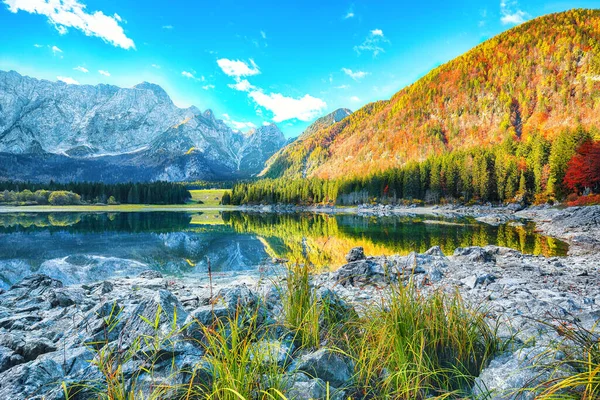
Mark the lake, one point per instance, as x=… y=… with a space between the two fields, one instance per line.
x=86 y=247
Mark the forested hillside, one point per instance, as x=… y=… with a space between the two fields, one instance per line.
x=528 y=84
x=527 y=171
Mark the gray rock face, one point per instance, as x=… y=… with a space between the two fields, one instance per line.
x=124 y=130
x=510 y=373
x=309 y=389
x=357 y=253
x=328 y=365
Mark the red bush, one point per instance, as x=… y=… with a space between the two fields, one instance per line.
x=591 y=200
x=583 y=170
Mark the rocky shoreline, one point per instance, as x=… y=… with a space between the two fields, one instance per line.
x=579 y=226
x=50 y=332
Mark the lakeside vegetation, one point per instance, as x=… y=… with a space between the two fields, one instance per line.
x=525 y=171
x=74 y=193
x=207 y=197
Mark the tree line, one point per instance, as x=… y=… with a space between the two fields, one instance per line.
x=517 y=170
x=95 y=192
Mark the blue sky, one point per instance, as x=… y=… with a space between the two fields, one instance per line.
x=254 y=62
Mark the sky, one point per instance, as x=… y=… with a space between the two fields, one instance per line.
x=254 y=62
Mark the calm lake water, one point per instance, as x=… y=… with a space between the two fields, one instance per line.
x=77 y=248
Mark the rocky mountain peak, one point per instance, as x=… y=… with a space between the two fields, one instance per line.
x=340 y=114
x=158 y=91
x=209 y=115
x=135 y=133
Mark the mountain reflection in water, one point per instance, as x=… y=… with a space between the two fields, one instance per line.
x=80 y=247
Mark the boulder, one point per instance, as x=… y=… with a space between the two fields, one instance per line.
x=307 y=389
x=475 y=254
x=356 y=254
x=508 y=373
x=435 y=251
x=150 y=274
x=9 y=358
x=328 y=365
x=33 y=347
x=335 y=308
x=204 y=316
x=365 y=271
x=236 y=297
x=273 y=352
x=473 y=281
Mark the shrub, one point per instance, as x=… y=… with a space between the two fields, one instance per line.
x=63 y=198
x=589 y=200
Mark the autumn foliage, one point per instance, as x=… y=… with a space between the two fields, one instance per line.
x=583 y=170
x=537 y=79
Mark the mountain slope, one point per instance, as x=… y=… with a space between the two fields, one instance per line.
x=541 y=76
x=130 y=133
x=279 y=161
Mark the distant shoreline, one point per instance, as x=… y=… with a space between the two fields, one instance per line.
x=114 y=208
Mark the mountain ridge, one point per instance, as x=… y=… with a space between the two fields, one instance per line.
x=115 y=127
x=540 y=77
x=279 y=158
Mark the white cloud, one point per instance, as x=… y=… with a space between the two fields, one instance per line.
x=356 y=75
x=65 y=14
x=39 y=46
x=284 y=108
x=350 y=13
x=242 y=86
x=167 y=27
x=263 y=34
x=266 y=123
x=511 y=14
x=118 y=17
x=102 y=72
x=56 y=50
x=67 y=80
x=373 y=43
x=354 y=99
x=81 y=69
x=238 y=125
x=342 y=87
x=208 y=87
x=191 y=75
x=155 y=66
x=238 y=68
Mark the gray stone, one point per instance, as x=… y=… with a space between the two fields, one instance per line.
x=204 y=316
x=335 y=309
x=435 y=251
x=34 y=347
x=435 y=275
x=150 y=274
x=356 y=254
x=473 y=281
x=273 y=352
x=327 y=365
x=508 y=373
x=238 y=297
x=475 y=254
x=312 y=389
x=9 y=358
